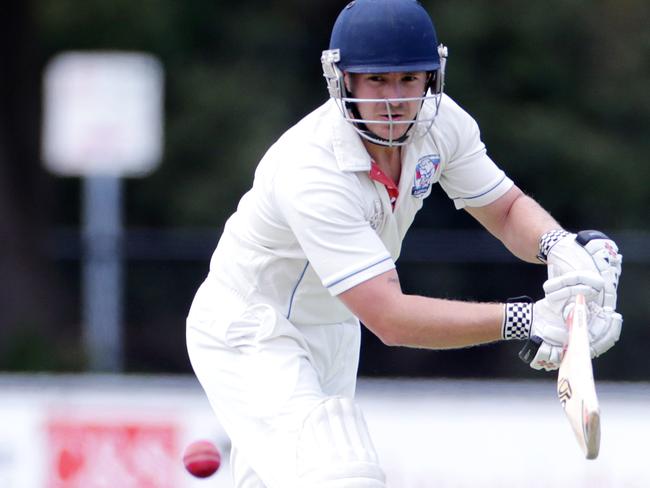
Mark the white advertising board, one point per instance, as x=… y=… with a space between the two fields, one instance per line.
x=102 y=114
x=108 y=431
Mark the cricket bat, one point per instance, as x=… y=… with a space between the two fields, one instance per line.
x=575 y=383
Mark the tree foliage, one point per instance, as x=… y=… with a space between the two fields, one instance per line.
x=559 y=90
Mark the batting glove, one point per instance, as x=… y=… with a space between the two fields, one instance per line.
x=543 y=322
x=588 y=250
x=604 y=329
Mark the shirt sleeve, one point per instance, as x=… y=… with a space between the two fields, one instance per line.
x=470 y=178
x=324 y=209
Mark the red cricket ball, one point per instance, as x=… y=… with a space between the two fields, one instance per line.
x=201 y=458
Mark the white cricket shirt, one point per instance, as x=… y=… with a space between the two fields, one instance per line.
x=315 y=224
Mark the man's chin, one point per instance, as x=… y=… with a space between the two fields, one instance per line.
x=385 y=133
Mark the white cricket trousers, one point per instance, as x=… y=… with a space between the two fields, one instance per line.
x=283 y=393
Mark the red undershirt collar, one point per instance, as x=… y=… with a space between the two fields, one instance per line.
x=378 y=175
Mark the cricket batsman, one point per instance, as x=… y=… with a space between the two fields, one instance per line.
x=273 y=333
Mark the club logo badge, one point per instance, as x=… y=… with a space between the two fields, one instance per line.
x=425 y=170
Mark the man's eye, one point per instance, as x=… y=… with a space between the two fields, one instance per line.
x=375 y=78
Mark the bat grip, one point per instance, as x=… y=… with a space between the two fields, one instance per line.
x=533 y=344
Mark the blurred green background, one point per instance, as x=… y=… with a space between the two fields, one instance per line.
x=560 y=89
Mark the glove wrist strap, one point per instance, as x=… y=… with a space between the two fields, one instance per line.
x=517 y=319
x=547 y=241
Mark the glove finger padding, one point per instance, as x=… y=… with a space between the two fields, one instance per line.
x=559 y=291
x=548 y=357
x=586 y=251
x=548 y=323
x=609 y=262
x=605 y=327
x=605 y=254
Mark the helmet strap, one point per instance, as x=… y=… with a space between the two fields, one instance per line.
x=431 y=81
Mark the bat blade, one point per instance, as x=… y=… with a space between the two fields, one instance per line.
x=576 y=389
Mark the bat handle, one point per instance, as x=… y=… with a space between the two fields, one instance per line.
x=533 y=344
x=530 y=349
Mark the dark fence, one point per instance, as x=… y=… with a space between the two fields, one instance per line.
x=163 y=268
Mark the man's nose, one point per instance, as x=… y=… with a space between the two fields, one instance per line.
x=394 y=90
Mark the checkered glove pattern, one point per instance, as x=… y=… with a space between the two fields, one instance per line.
x=547 y=241
x=518 y=319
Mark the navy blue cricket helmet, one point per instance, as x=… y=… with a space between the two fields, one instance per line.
x=380 y=36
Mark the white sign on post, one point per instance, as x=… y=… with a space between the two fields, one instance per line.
x=102 y=120
x=103 y=114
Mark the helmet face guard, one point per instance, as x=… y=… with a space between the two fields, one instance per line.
x=347 y=104
x=384 y=36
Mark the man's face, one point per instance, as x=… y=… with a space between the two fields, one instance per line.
x=388 y=86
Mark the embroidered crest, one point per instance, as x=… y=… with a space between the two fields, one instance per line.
x=377 y=217
x=425 y=170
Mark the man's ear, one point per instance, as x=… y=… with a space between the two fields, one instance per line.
x=347 y=80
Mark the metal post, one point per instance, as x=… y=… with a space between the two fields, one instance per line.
x=102 y=273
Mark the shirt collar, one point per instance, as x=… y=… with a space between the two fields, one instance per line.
x=349 y=151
